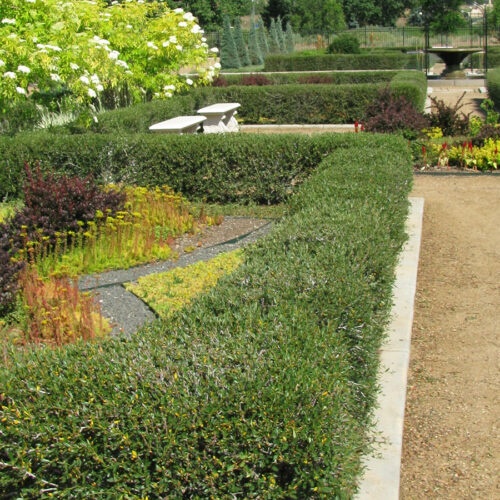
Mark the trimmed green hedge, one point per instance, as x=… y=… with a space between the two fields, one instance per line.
x=222 y=168
x=413 y=85
x=373 y=60
x=336 y=77
x=493 y=86
x=263 y=388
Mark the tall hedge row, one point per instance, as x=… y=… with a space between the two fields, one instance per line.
x=411 y=84
x=493 y=86
x=311 y=62
x=230 y=167
x=333 y=77
x=261 y=389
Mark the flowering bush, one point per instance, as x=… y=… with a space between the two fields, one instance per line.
x=87 y=48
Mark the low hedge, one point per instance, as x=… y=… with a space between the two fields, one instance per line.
x=371 y=60
x=493 y=86
x=411 y=84
x=334 y=77
x=222 y=168
x=263 y=388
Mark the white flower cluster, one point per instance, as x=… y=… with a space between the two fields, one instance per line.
x=94 y=79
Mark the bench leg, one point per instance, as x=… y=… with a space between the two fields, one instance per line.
x=214 y=125
x=231 y=123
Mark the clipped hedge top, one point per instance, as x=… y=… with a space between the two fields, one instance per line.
x=262 y=388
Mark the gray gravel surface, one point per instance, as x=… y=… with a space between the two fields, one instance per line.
x=127 y=312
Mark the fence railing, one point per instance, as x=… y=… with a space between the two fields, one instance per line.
x=379 y=37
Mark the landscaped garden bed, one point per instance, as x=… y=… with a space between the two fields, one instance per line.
x=262 y=387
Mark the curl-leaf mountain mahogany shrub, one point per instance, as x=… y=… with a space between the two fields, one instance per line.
x=88 y=47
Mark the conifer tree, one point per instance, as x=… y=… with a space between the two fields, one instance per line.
x=274 y=44
x=240 y=43
x=254 y=50
x=262 y=39
x=289 y=38
x=228 y=52
x=281 y=35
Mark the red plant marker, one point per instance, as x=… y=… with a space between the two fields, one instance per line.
x=356 y=126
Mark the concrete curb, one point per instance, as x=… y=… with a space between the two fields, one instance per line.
x=381 y=477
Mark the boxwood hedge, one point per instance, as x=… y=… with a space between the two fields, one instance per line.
x=311 y=62
x=493 y=85
x=333 y=77
x=230 y=167
x=263 y=388
x=411 y=84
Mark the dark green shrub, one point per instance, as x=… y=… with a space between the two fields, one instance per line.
x=263 y=387
x=231 y=167
x=412 y=85
x=344 y=44
x=334 y=77
x=370 y=60
x=493 y=85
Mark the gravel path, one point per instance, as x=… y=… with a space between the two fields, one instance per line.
x=451 y=442
x=127 y=312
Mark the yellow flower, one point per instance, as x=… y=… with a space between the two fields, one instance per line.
x=133 y=455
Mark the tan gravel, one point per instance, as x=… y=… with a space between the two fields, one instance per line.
x=451 y=444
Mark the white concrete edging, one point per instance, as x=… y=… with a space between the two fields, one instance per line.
x=380 y=480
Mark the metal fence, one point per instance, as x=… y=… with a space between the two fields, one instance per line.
x=371 y=37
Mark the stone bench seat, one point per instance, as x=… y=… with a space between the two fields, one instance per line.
x=220 y=117
x=179 y=125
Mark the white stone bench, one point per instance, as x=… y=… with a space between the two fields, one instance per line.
x=220 y=118
x=179 y=125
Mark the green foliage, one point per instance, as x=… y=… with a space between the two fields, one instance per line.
x=228 y=53
x=412 y=85
x=309 y=16
x=334 y=77
x=263 y=387
x=262 y=37
x=281 y=35
x=222 y=168
x=275 y=8
x=274 y=43
x=289 y=39
x=309 y=62
x=374 y=12
x=254 y=49
x=442 y=16
x=344 y=44
x=240 y=44
x=493 y=86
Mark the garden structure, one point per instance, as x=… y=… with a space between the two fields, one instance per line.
x=453 y=57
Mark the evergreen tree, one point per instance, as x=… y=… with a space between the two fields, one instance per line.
x=281 y=35
x=289 y=38
x=228 y=52
x=262 y=39
x=254 y=50
x=274 y=44
x=240 y=43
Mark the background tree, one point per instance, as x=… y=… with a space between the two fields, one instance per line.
x=443 y=16
x=262 y=37
x=289 y=38
x=374 y=12
x=228 y=52
x=240 y=43
x=274 y=44
x=281 y=35
x=275 y=8
x=310 y=16
x=254 y=50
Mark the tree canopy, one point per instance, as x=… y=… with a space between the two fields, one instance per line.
x=374 y=12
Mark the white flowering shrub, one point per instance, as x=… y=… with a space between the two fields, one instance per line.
x=86 y=47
